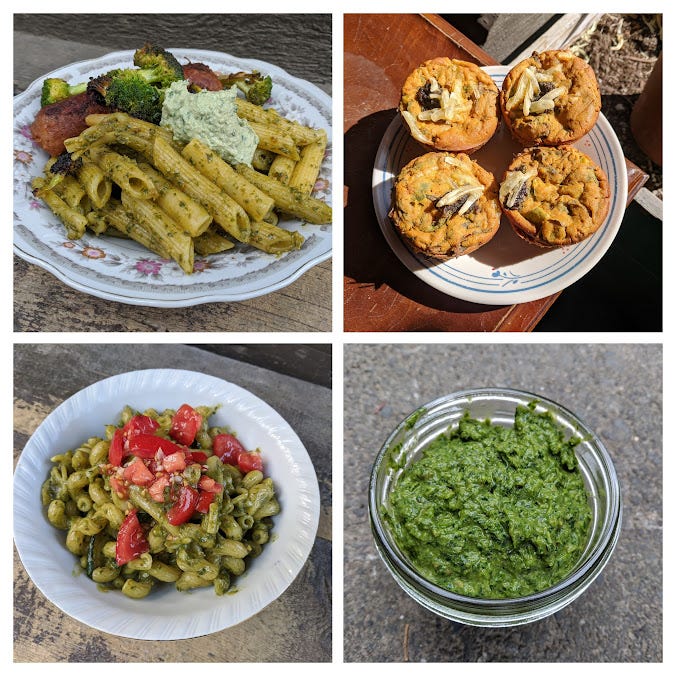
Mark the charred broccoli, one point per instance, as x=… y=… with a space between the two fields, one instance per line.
x=256 y=87
x=62 y=166
x=130 y=90
x=136 y=91
x=159 y=65
x=55 y=89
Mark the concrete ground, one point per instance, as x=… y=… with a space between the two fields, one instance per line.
x=617 y=391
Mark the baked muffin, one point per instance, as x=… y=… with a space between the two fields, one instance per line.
x=450 y=105
x=554 y=196
x=445 y=205
x=550 y=99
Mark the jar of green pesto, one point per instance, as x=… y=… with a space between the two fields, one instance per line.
x=494 y=507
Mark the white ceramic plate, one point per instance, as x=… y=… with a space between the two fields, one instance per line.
x=507 y=270
x=167 y=614
x=125 y=271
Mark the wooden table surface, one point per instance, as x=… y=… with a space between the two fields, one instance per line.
x=300 y=44
x=380 y=294
x=294 y=380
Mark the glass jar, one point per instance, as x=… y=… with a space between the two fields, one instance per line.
x=404 y=446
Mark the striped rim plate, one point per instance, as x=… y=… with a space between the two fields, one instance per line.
x=507 y=270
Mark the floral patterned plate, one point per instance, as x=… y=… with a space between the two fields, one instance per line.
x=125 y=271
x=507 y=270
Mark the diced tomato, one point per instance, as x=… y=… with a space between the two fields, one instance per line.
x=250 y=461
x=146 y=445
x=204 y=501
x=206 y=483
x=140 y=424
x=185 y=425
x=227 y=448
x=184 y=507
x=119 y=487
x=116 y=449
x=131 y=540
x=174 y=462
x=156 y=489
x=196 y=456
x=138 y=474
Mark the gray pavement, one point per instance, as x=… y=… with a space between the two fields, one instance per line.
x=617 y=391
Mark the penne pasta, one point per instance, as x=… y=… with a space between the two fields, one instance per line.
x=306 y=171
x=269 y=117
x=282 y=168
x=255 y=202
x=123 y=171
x=188 y=214
x=224 y=210
x=275 y=142
x=288 y=199
x=74 y=222
x=168 y=238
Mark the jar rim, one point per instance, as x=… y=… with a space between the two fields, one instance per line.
x=579 y=574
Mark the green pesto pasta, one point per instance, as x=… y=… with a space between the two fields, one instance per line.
x=161 y=498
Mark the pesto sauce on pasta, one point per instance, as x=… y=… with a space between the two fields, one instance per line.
x=493 y=512
x=156 y=499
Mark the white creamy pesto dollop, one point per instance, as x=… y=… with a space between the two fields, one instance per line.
x=210 y=117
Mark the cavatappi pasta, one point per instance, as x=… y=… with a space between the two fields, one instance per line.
x=161 y=497
x=137 y=181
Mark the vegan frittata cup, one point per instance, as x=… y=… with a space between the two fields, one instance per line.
x=445 y=205
x=554 y=196
x=551 y=98
x=450 y=105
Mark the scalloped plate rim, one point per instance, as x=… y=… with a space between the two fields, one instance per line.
x=76 y=276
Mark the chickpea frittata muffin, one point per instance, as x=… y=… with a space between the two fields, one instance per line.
x=445 y=205
x=450 y=105
x=550 y=99
x=554 y=196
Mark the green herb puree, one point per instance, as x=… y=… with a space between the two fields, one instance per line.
x=212 y=118
x=493 y=512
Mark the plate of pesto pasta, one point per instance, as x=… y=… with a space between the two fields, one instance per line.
x=176 y=229
x=188 y=500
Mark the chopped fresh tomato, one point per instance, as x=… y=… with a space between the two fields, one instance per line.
x=206 y=483
x=140 y=424
x=156 y=489
x=249 y=461
x=184 y=507
x=119 y=487
x=205 y=499
x=131 y=540
x=227 y=448
x=196 y=456
x=138 y=474
x=174 y=462
x=185 y=425
x=146 y=445
x=116 y=449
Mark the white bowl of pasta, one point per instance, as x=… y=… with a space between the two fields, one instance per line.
x=150 y=605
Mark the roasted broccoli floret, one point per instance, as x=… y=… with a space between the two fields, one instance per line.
x=136 y=91
x=159 y=65
x=130 y=90
x=256 y=87
x=63 y=165
x=55 y=89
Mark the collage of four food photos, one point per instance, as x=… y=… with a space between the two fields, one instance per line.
x=191 y=379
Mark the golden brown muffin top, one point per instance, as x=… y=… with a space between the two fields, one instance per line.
x=445 y=205
x=554 y=196
x=550 y=98
x=450 y=104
